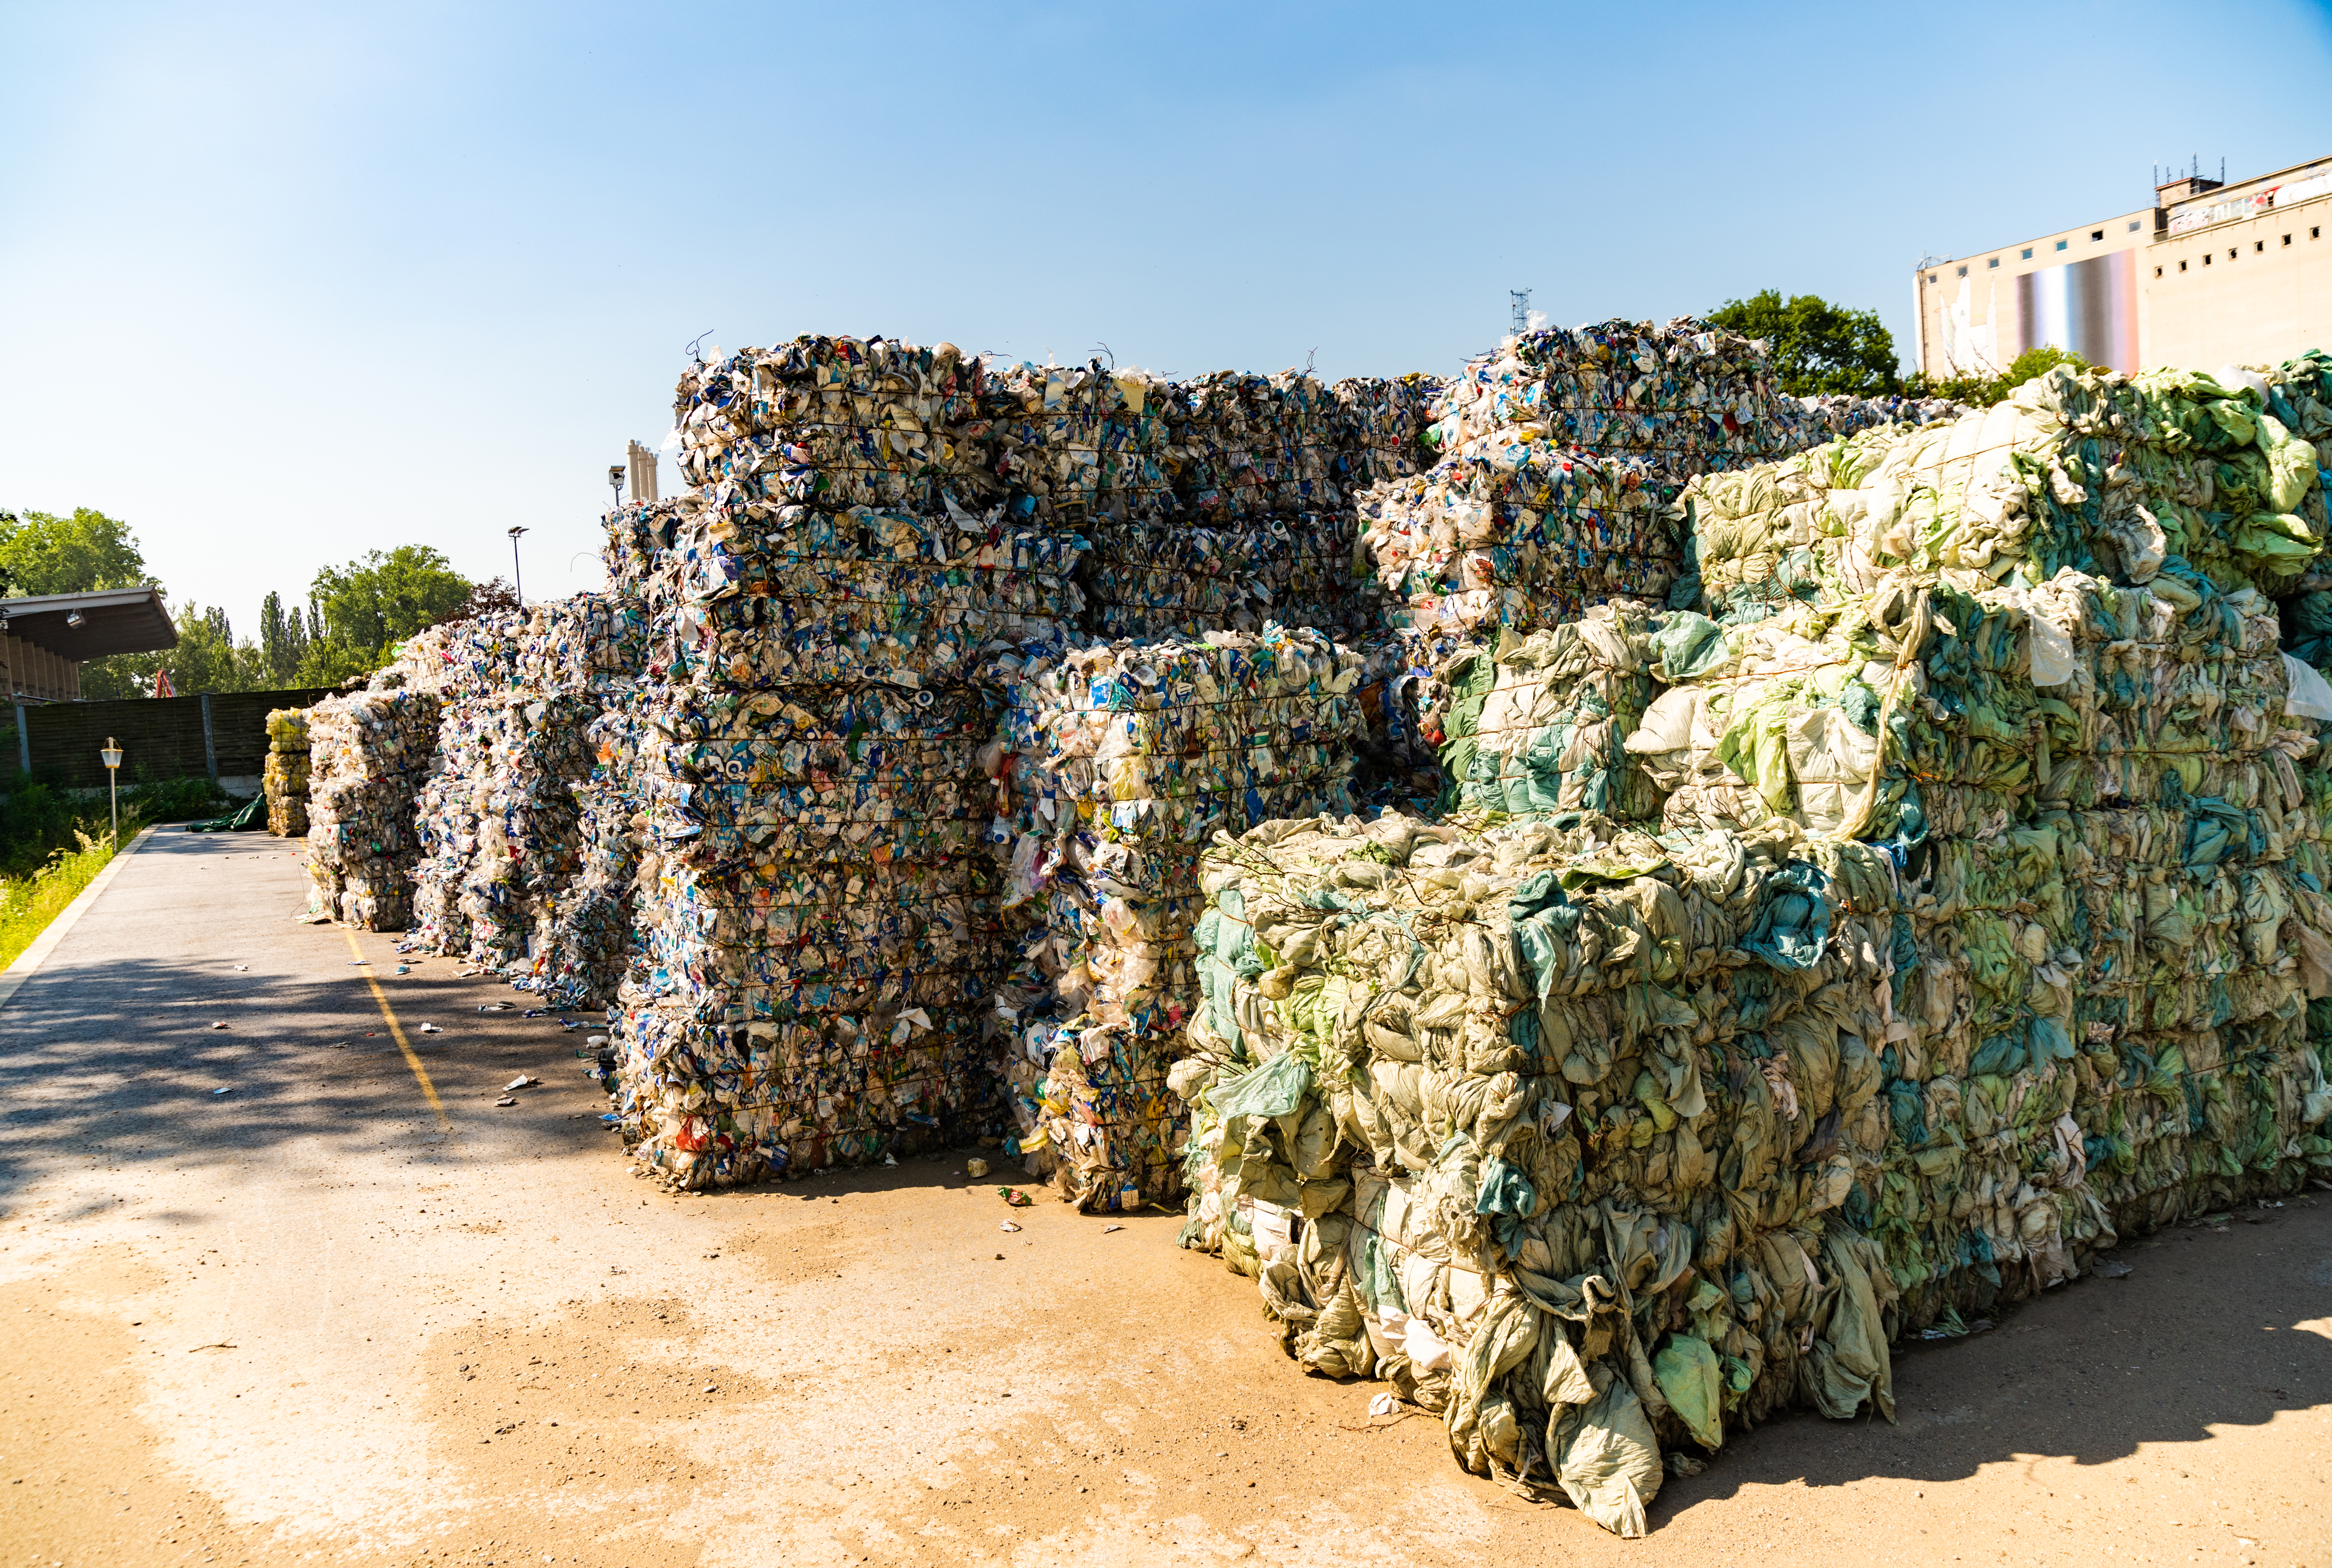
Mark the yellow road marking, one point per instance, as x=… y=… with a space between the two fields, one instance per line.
x=420 y=1073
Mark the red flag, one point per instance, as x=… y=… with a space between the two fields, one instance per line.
x=162 y=684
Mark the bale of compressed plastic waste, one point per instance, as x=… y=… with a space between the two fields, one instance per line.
x=1553 y=1128
x=817 y=902
x=594 y=943
x=1516 y=530
x=504 y=881
x=1539 y=725
x=368 y=753
x=1116 y=763
x=283 y=777
x=1254 y=521
x=1843 y=414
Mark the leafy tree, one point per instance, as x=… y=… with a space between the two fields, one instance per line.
x=1817 y=347
x=1983 y=391
x=42 y=553
x=284 y=641
x=361 y=611
x=206 y=659
x=120 y=676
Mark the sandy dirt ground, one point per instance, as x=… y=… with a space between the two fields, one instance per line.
x=312 y=1319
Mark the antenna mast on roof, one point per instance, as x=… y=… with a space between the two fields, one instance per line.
x=1521 y=300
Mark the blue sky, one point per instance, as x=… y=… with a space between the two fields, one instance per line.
x=278 y=284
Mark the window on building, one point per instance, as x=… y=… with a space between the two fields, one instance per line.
x=2287 y=239
x=2133 y=225
x=2097 y=233
x=1995 y=261
x=2063 y=244
x=2231 y=253
x=1963 y=272
x=1931 y=277
x=2314 y=232
x=2157 y=271
x=2026 y=255
x=2181 y=266
x=2206 y=258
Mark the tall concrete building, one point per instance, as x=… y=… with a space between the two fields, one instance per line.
x=2209 y=274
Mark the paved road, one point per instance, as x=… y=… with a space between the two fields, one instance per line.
x=312 y=1320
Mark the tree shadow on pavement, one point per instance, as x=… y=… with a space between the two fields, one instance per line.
x=115 y=1061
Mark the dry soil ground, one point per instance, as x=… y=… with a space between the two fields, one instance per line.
x=314 y=1320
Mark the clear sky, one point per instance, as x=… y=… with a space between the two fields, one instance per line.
x=278 y=284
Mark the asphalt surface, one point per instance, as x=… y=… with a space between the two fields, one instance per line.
x=314 y=1319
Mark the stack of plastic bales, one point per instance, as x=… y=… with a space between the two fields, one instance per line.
x=468 y=667
x=368 y=753
x=1255 y=520
x=1983 y=921
x=1559 y=456
x=1118 y=763
x=819 y=906
x=505 y=881
x=283 y=778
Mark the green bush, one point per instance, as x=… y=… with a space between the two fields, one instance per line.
x=37 y=818
x=173 y=799
x=28 y=903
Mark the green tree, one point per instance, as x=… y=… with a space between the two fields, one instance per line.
x=1817 y=347
x=207 y=659
x=42 y=553
x=1983 y=391
x=283 y=641
x=361 y=611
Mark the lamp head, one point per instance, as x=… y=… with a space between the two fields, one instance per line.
x=74 y=617
x=110 y=753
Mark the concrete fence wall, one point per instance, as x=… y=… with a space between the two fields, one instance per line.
x=223 y=735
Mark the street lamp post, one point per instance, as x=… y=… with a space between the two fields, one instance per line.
x=518 y=583
x=111 y=754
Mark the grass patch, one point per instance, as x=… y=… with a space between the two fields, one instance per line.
x=27 y=904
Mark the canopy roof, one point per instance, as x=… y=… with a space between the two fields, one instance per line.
x=112 y=621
